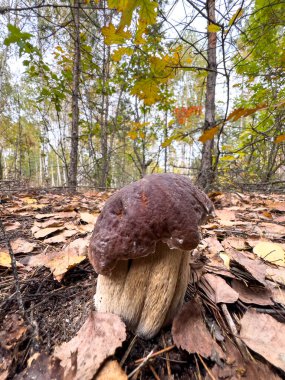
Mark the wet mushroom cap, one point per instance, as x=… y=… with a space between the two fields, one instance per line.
x=159 y=207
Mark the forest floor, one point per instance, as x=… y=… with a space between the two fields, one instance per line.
x=232 y=325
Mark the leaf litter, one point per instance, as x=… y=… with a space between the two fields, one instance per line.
x=233 y=314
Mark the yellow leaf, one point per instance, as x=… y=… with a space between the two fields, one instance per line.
x=133 y=135
x=225 y=259
x=279 y=139
x=29 y=201
x=227 y=158
x=236 y=16
x=141 y=28
x=148 y=11
x=209 y=134
x=271 y=252
x=118 y=53
x=113 y=36
x=120 y=5
x=213 y=28
x=5 y=259
x=167 y=142
x=147 y=90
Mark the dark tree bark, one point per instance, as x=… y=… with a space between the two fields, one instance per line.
x=206 y=174
x=72 y=175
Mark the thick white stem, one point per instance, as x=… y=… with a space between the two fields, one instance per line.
x=146 y=292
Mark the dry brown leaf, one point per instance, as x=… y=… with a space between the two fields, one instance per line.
x=217 y=289
x=271 y=252
x=276 y=275
x=60 y=262
x=51 y=223
x=85 y=228
x=214 y=246
x=235 y=367
x=272 y=230
x=11 y=226
x=97 y=339
x=5 y=259
x=111 y=371
x=42 y=367
x=278 y=295
x=60 y=238
x=255 y=268
x=226 y=214
x=42 y=233
x=66 y=215
x=22 y=246
x=235 y=242
x=276 y=206
x=264 y=335
x=88 y=218
x=13 y=332
x=190 y=333
x=253 y=294
x=44 y=216
x=252 y=242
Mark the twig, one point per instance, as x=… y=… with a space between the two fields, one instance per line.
x=167 y=359
x=154 y=372
x=198 y=373
x=212 y=377
x=131 y=345
x=234 y=331
x=142 y=364
x=15 y=274
x=153 y=355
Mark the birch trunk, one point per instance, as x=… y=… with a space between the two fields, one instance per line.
x=206 y=174
x=72 y=175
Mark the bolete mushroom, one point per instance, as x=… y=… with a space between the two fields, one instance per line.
x=140 y=247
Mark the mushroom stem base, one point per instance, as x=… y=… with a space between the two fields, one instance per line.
x=146 y=292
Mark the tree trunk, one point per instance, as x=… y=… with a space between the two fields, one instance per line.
x=72 y=175
x=206 y=174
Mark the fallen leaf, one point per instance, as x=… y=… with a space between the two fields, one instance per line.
x=226 y=217
x=11 y=226
x=271 y=252
x=111 y=371
x=5 y=259
x=225 y=259
x=278 y=295
x=214 y=246
x=13 y=332
x=60 y=238
x=264 y=335
x=42 y=233
x=52 y=223
x=255 y=268
x=88 y=218
x=44 y=216
x=235 y=242
x=276 y=206
x=28 y=200
x=276 y=275
x=272 y=230
x=66 y=215
x=190 y=333
x=42 y=367
x=61 y=261
x=234 y=367
x=217 y=289
x=97 y=339
x=253 y=294
x=22 y=246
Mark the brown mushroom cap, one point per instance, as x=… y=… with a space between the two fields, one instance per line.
x=159 y=207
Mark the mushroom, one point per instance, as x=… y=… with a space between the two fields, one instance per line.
x=140 y=247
